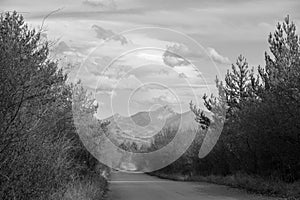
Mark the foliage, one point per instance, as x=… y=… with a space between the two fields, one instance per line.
x=262 y=112
x=261 y=133
x=39 y=149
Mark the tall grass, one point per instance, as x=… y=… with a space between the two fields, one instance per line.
x=41 y=166
x=250 y=183
x=93 y=187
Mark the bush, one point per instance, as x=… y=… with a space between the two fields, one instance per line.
x=40 y=151
x=92 y=187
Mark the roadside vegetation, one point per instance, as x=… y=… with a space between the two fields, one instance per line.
x=260 y=142
x=41 y=155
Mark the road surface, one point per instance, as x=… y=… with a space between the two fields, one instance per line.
x=124 y=186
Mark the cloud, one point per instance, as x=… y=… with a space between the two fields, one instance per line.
x=175 y=55
x=129 y=83
x=105 y=34
x=215 y=56
x=182 y=75
x=118 y=71
x=165 y=100
x=105 y=4
x=180 y=55
x=152 y=96
x=188 y=86
x=151 y=56
x=189 y=71
x=105 y=83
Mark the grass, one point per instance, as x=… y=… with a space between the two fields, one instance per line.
x=253 y=184
x=93 y=187
x=81 y=190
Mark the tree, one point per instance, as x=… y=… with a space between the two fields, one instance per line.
x=283 y=66
x=212 y=126
x=39 y=148
x=29 y=80
x=270 y=123
x=33 y=92
x=279 y=109
x=240 y=85
x=261 y=132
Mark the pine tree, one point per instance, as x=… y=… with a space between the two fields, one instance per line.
x=283 y=66
x=240 y=85
x=273 y=122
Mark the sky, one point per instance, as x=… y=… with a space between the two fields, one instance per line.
x=136 y=55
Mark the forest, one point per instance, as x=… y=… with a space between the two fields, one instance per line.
x=41 y=154
x=260 y=139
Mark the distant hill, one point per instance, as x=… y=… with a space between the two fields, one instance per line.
x=143 y=126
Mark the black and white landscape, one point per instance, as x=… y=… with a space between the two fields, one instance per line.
x=147 y=100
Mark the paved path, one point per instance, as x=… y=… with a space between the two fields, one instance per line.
x=124 y=186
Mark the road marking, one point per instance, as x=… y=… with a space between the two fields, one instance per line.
x=138 y=181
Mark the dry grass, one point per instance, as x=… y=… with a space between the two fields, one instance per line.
x=81 y=190
x=247 y=182
x=256 y=184
x=92 y=187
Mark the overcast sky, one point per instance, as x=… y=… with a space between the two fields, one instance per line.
x=116 y=47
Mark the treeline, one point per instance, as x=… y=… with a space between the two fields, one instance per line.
x=261 y=134
x=41 y=155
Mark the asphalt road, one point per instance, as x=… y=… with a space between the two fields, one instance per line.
x=124 y=186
